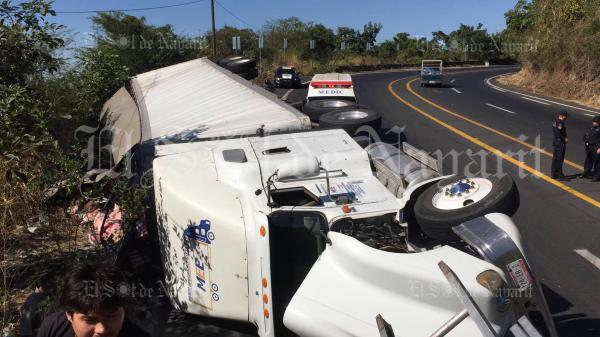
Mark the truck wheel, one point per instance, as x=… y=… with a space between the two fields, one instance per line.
x=458 y=199
x=252 y=74
x=350 y=120
x=223 y=62
x=241 y=66
x=314 y=109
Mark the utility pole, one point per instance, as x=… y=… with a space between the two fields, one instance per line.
x=214 y=35
x=261 y=44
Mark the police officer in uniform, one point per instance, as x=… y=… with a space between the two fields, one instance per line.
x=592 y=146
x=559 y=143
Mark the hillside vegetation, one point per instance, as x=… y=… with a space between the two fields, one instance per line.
x=562 y=54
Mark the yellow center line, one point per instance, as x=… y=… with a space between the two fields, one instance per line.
x=500 y=133
x=495 y=151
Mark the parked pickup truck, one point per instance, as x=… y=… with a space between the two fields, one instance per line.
x=304 y=233
x=431 y=72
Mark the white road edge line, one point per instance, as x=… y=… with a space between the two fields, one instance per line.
x=487 y=81
x=586 y=254
x=287 y=93
x=455 y=90
x=534 y=100
x=590 y=115
x=497 y=107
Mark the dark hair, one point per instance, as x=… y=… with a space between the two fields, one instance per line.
x=92 y=288
x=563 y=113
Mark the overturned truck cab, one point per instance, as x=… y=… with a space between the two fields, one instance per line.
x=298 y=235
x=302 y=232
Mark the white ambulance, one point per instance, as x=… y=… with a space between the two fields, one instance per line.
x=328 y=92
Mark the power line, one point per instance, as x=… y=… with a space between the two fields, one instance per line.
x=131 y=9
x=235 y=16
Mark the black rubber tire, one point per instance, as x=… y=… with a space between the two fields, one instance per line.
x=223 y=62
x=252 y=74
x=316 y=108
x=437 y=223
x=332 y=120
x=241 y=66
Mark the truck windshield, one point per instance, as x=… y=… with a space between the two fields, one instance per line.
x=431 y=71
x=285 y=71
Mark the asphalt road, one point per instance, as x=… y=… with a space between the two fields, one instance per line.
x=559 y=221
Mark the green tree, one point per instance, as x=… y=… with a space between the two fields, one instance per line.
x=369 y=34
x=248 y=39
x=519 y=19
x=350 y=37
x=470 y=43
x=324 y=42
x=409 y=50
x=292 y=29
x=140 y=46
x=27 y=41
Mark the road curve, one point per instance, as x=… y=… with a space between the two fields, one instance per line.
x=476 y=127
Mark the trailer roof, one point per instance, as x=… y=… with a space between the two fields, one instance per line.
x=200 y=97
x=195 y=99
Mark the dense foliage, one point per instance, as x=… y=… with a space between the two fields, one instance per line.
x=566 y=34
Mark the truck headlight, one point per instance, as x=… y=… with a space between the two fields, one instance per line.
x=493 y=282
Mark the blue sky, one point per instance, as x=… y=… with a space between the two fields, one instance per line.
x=419 y=18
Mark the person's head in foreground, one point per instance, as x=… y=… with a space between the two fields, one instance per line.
x=92 y=302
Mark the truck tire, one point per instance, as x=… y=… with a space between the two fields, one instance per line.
x=223 y=62
x=241 y=65
x=252 y=74
x=445 y=205
x=350 y=120
x=314 y=109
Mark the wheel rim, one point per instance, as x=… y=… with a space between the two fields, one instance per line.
x=333 y=104
x=462 y=193
x=352 y=114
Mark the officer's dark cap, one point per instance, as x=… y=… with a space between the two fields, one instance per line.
x=563 y=113
x=596 y=119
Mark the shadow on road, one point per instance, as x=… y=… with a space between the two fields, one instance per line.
x=570 y=324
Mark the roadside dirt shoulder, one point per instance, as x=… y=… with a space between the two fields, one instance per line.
x=558 y=84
